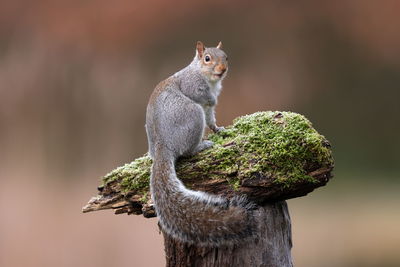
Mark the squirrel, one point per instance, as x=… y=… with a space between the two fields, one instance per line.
x=177 y=112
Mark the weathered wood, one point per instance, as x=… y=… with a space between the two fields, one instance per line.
x=259 y=189
x=268 y=156
x=270 y=249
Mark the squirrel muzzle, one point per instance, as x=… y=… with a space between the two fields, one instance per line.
x=220 y=69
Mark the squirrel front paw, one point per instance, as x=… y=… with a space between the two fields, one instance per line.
x=217 y=129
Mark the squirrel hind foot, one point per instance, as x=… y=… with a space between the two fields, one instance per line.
x=202 y=146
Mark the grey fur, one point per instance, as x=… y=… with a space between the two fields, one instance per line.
x=177 y=113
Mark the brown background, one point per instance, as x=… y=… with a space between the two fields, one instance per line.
x=75 y=77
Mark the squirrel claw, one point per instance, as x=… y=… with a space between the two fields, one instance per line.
x=218 y=129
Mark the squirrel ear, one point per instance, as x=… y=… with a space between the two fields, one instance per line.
x=219 y=46
x=200 y=49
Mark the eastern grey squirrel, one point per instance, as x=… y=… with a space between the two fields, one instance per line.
x=177 y=113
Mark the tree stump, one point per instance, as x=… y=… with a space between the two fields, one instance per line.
x=272 y=248
x=268 y=156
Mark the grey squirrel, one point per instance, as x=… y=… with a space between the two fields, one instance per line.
x=177 y=112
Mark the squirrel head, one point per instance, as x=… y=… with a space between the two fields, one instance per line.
x=212 y=61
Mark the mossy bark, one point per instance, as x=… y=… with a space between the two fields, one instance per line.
x=269 y=156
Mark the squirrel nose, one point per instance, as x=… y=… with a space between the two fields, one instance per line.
x=221 y=68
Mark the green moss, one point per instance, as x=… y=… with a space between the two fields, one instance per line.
x=145 y=197
x=282 y=145
x=132 y=176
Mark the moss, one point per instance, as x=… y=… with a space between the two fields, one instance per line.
x=282 y=145
x=145 y=197
x=132 y=176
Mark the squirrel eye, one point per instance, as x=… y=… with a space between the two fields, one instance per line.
x=207 y=58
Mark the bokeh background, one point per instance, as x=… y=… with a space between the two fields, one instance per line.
x=75 y=77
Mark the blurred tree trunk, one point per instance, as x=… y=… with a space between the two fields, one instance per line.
x=271 y=248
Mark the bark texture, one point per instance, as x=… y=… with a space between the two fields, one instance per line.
x=267 y=156
x=270 y=249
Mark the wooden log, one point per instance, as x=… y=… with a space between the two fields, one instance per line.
x=268 y=156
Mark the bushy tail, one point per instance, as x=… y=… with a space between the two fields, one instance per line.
x=198 y=217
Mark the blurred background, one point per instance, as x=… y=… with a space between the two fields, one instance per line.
x=75 y=77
